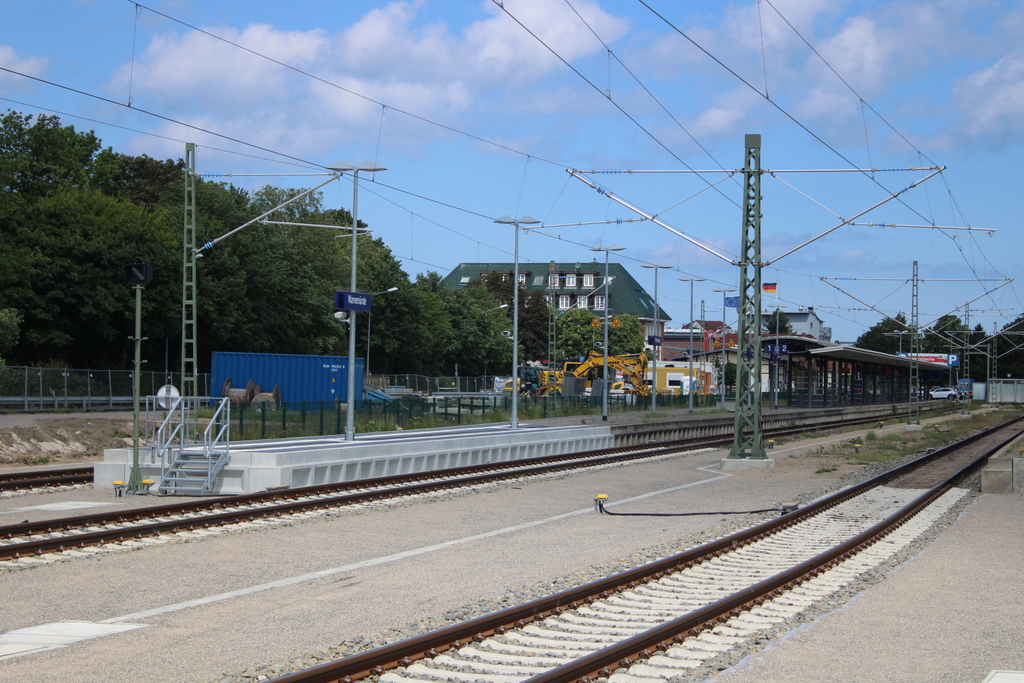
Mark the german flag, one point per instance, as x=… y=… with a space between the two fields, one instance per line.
x=770 y=288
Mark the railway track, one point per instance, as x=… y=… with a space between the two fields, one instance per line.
x=674 y=615
x=29 y=479
x=70 y=534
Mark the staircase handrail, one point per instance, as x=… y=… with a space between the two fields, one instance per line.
x=209 y=445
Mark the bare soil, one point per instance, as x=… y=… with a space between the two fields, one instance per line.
x=61 y=439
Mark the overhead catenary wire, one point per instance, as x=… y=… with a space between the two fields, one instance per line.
x=959 y=245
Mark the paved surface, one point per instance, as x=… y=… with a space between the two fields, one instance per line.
x=232 y=602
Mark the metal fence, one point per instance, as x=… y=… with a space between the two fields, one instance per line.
x=1004 y=391
x=26 y=388
x=428 y=386
x=266 y=419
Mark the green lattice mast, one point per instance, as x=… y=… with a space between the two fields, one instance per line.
x=188 y=280
x=914 y=415
x=747 y=438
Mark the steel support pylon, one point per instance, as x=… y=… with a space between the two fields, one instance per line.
x=189 y=371
x=748 y=440
x=914 y=414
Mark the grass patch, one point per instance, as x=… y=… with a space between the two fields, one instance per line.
x=824 y=470
x=41 y=460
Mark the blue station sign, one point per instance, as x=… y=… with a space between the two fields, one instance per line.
x=352 y=301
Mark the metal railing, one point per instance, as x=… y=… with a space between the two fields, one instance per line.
x=184 y=440
x=28 y=388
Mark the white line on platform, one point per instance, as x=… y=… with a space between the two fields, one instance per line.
x=388 y=558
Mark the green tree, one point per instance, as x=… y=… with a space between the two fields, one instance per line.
x=144 y=181
x=778 y=321
x=66 y=261
x=575 y=333
x=629 y=338
x=1009 y=350
x=889 y=335
x=43 y=158
x=946 y=335
x=10 y=320
x=534 y=314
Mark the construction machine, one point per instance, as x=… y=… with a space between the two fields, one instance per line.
x=632 y=367
x=576 y=378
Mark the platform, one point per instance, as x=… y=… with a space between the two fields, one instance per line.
x=307 y=461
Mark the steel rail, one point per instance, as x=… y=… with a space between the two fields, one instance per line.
x=11 y=481
x=599 y=664
x=441 y=480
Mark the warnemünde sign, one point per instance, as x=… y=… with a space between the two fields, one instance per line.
x=352 y=301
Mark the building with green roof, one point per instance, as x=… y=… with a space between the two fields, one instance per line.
x=575 y=285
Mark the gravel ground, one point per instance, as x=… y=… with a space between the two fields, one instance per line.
x=740 y=657
x=371 y=600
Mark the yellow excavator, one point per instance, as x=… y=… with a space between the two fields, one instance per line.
x=576 y=378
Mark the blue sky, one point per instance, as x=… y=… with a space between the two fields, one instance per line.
x=478 y=108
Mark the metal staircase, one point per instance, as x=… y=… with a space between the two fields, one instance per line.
x=192 y=451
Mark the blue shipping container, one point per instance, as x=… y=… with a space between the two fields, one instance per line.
x=301 y=378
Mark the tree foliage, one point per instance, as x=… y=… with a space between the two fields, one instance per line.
x=778 y=321
x=73 y=215
x=890 y=335
x=534 y=314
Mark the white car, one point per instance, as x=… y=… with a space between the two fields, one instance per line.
x=943 y=392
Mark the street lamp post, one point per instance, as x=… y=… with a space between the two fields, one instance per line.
x=657 y=333
x=369 y=320
x=342 y=167
x=689 y=354
x=604 y=376
x=515 y=223
x=721 y=388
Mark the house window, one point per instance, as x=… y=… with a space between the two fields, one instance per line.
x=538 y=280
x=553 y=280
x=563 y=301
x=599 y=301
x=570 y=280
x=464 y=280
x=588 y=280
x=522 y=278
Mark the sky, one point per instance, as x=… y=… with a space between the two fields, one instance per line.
x=480 y=109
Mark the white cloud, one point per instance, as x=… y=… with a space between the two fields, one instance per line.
x=195 y=69
x=992 y=101
x=385 y=57
x=32 y=66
